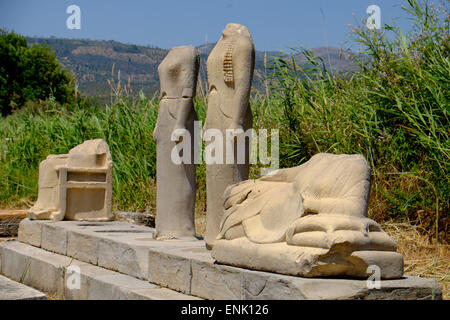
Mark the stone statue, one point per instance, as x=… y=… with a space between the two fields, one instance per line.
x=230 y=71
x=176 y=187
x=309 y=220
x=77 y=185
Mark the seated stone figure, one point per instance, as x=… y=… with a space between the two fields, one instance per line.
x=77 y=185
x=309 y=220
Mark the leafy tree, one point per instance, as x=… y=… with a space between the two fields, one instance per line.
x=30 y=73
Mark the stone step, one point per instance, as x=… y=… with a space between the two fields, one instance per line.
x=71 y=279
x=187 y=267
x=13 y=290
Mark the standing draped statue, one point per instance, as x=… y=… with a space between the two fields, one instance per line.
x=230 y=71
x=176 y=186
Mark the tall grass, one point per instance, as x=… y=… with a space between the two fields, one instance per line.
x=393 y=110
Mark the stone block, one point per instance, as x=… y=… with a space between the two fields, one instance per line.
x=46 y=273
x=209 y=280
x=269 y=286
x=15 y=266
x=82 y=246
x=101 y=284
x=114 y=287
x=34 y=267
x=77 y=289
x=12 y=290
x=216 y=282
x=54 y=238
x=170 y=271
x=266 y=286
x=108 y=254
x=30 y=232
x=123 y=257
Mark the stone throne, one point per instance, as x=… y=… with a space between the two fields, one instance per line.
x=77 y=185
x=309 y=221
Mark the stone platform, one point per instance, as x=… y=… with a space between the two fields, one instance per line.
x=187 y=267
x=13 y=290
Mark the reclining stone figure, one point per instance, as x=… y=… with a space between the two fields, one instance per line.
x=309 y=220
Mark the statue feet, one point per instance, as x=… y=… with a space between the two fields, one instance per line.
x=332 y=231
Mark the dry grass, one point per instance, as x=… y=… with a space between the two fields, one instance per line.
x=421 y=258
x=53 y=296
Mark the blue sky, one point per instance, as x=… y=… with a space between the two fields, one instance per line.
x=274 y=24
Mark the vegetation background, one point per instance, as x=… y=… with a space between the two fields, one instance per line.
x=393 y=109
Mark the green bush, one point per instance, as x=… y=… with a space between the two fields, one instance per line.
x=30 y=74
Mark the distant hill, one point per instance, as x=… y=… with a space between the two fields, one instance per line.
x=92 y=62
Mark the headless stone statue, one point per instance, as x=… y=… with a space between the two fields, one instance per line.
x=230 y=71
x=176 y=187
x=309 y=220
x=77 y=185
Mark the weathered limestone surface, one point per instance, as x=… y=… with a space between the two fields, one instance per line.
x=34 y=267
x=117 y=246
x=22 y=261
x=54 y=238
x=12 y=290
x=169 y=271
x=30 y=232
x=217 y=282
x=77 y=185
x=230 y=72
x=308 y=221
x=82 y=247
x=270 y=286
x=187 y=267
x=176 y=185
